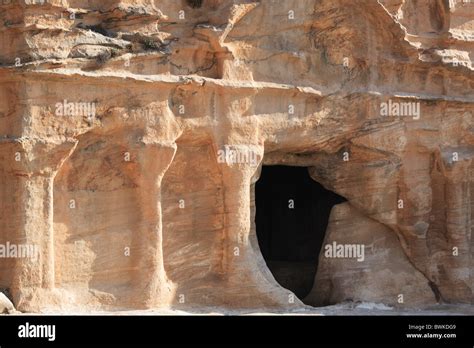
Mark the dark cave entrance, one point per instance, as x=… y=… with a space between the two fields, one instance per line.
x=292 y=213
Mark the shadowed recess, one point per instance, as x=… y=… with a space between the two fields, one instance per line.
x=292 y=213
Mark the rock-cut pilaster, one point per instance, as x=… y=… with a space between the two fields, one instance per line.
x=31 y=166
x=151 y=286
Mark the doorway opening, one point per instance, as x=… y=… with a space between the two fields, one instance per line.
x=292 y=213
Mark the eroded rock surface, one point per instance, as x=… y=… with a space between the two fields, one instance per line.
x=113 y=113
x=381 y=272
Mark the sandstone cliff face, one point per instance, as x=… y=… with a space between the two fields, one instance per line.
x=112 y=115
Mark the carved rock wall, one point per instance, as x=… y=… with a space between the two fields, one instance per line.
x=112 y=115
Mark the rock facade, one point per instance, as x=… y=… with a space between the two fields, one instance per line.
x=114 y=113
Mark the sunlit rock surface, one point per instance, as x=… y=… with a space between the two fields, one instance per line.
x=113 y=113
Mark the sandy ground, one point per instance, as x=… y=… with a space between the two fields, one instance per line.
x=345 y=309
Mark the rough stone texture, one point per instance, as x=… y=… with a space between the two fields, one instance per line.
x=300 y=81
x=6 y=306
x=382 y=275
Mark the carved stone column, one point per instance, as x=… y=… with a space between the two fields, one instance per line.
x=151 y=286
x=248 y=281
x=32 y=166
x=456 y=267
